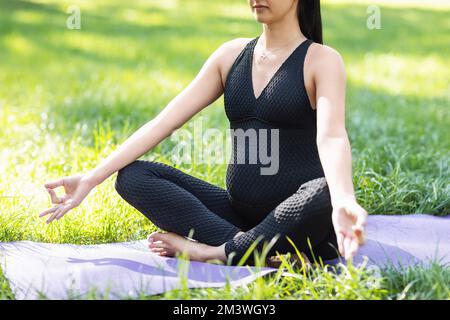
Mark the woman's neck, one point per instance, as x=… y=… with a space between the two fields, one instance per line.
x=281 y=33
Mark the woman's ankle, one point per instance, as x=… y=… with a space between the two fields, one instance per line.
x=212 y=253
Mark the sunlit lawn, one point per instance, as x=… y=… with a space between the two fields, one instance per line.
x=68 y=97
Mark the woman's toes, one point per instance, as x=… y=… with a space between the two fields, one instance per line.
x=155 y=235
x=156 y=245
x=159 y=244
x=169 y=244
x=158 y=236
x=163 y=252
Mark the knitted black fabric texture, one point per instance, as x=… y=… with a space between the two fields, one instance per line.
x=294 y=202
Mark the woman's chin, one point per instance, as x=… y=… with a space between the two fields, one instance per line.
x=261 y=17
x=262 y=20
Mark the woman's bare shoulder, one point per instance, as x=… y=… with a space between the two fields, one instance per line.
x=324 y=55
x=324 y=59
x=230 y=49
x=234 y=46
x=228 y=53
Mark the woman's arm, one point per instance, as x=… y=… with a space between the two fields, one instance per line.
x=349 y=218
x=202 y=91
x=206 y=87
x=332 y=140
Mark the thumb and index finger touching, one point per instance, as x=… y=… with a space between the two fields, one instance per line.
x=60 y=207
x=349 y=242
x=49 y=186
x=54 y=183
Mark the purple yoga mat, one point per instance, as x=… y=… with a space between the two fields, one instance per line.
x=404 y=240
x=117 y=270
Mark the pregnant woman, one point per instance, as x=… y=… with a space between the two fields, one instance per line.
x=284 y=81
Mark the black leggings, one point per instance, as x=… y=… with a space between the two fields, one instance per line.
x=178 y=202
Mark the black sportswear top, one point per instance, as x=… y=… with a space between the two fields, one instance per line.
x=284 y=105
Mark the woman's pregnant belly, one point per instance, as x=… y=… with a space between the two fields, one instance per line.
x=287 y=164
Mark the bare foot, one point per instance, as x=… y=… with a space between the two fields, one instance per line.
x=171 y=244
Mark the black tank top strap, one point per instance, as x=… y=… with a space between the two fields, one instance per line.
x=297 y=58
x=303 y=51
x=299 y=63
x=244 y=52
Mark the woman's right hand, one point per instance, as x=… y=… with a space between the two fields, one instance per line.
x=76 y=188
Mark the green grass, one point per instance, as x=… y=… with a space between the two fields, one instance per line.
x=68 y=97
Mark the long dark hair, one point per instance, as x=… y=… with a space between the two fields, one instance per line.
x=308 y=14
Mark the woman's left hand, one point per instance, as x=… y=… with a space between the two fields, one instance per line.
x=349 y=221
